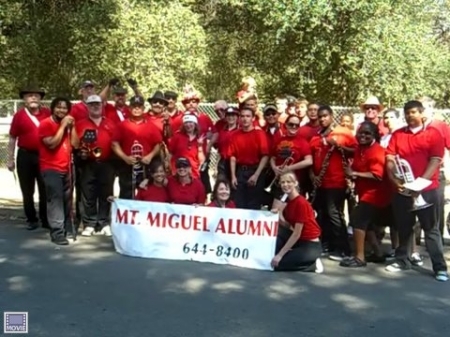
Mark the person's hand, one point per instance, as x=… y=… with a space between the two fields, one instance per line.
x=316 y=181
x=399 y=185
x=67 y=121
x=252 y=180
x=11 y=165
x=146 y=160
x=201 y=140
x=130 y=160
x=143 y=184
x=277 y=170
x=113 y=82
x=331 y=141
x=286 y=169
x=132 y=82
x=111 y=198
x=350 y=173
x=234 y=182
x=275 y=261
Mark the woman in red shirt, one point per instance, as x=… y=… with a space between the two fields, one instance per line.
x=298 y=245
x=290 y=153
x=183 y=188
x=188 y=143
x=221 y=195
x=154 y=189
x=373 y=191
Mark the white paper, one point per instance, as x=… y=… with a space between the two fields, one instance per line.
x=418 y=185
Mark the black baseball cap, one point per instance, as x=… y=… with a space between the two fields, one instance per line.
x=120 y=91
x=171 y=94
x=137 y=100
x=232 y=111
x=182 y=162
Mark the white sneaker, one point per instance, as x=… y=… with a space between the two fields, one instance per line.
x=88 y=231
x=319 y=266
x=106 y=231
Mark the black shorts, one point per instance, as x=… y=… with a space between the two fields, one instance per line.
x=366 y=216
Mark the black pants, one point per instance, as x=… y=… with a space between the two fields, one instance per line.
x=223 y=169
x=126 y=180
x=428 y=218
x=440 y=204
x=302 y=256
x=97 y=179
x=28 y=173
x=246 y=196
x=77 y=161
x=59 y=199
x=329 y=205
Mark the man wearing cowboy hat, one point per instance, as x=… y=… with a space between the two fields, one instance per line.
x=24 y=131
x=372 y=109
x=157 y=113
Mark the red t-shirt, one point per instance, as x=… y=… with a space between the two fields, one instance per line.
x=224 y=141
x=382 y=129
x=229 y=204
x=144 y=132
x=189 y=194
x=444 y=130
x=372 y=159
x=176 y=121
x=25 y=130
x=278 y=132
x=180 y=146
x=157 y=120
x=417 y=149
x=295 y=147
x=153 y=193
x=299 y=211
x=79 y=111
x=308 y=131
x=105 y=133
x=248 y=147
x=59 y=158
x=335 y=175
x=116 y=114
x=220 y=124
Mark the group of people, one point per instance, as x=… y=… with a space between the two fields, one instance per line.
x=292 y=157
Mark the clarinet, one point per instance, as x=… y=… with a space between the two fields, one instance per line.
x=72 y=182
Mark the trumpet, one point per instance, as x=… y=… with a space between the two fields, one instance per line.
x=137 y=151
x=403 y=171
x=288 y=161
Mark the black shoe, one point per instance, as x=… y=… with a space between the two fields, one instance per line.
x=32 y=226
x=46 y=226
x=353 y=262
x=60 y=241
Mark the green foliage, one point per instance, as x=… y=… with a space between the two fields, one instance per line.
x=335 y=51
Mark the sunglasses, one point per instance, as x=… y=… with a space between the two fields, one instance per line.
x=231 y=114
x=272 y=113
x=191 y=101
x=371 y=107
x=159 y=102
x=181 y=166
x=293 y=125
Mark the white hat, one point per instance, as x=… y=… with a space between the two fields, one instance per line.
x=372 y=100
x=93 y=99
x=190 y=119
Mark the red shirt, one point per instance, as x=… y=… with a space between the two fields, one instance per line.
x=295 y=147
x=153 y=193
x=115 y=114
x=144 y=132
x=229 y=204
x=299 y=211
x=308 y=131
x=189 y=194
x=335 y=175
x=220 y=124
x=105 y=133
x=382 y=129
x=444 y=130
x=176 y=121
x=25 y=130
x=79 y=111
x=372 y=159
x=417 y=149
x=59 y=158
x=278 y=132
x=248 y=147
x=224 y=141
x=157 y=120
x=181 y=146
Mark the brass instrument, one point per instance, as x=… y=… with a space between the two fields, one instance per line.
x=86 y=149
x=404 y=173
x=288 y=161
x=137 y=151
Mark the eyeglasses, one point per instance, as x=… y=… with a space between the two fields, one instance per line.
x=272 y=113
x=293 y=125
x=158 y=102
x=371 y=107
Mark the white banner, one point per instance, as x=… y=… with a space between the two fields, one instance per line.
x=236 y=237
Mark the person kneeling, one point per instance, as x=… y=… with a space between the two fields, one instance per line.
x=298 y=246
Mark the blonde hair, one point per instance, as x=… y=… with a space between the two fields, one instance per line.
x=290 y=175
x=246 y=81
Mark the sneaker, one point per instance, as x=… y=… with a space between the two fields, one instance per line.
x=394 y=268
x=416 y=259
x=106 y=231
x=441 y=276
x=60 y=241
x=353 y=262
x=337 y=256
x=88 y=231
x=319 y=266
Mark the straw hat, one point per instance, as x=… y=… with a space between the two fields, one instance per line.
x=372 y=100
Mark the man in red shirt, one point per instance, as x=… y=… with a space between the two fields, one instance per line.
x=249 y=155
x=24 y=131
x=157 y=114
x=56 y=140
x=97 y=175
x=175 y=115
x=422 y=148
x=330 y=149
x=136 y=141
x=311 y=128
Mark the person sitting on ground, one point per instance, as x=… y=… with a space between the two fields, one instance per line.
x=221 y=195
x=298 y=245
